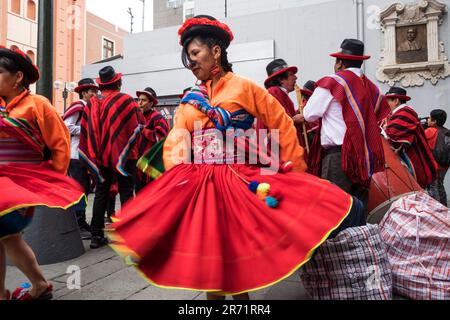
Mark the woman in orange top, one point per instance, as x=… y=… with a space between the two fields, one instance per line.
x=34 y=157
x=201 y=226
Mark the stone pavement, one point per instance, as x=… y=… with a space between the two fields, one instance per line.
x=104 y=276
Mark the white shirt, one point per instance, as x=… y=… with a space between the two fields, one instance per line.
x=323 y=105
x=74 y=128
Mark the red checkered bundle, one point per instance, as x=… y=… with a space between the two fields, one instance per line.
x=416 y=231
x=353 y=266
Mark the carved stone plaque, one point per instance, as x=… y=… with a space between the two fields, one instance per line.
x=413 y=52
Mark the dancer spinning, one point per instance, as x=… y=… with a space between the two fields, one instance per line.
x=201 y=226
x=34 y=157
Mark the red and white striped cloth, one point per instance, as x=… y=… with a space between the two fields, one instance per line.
x=416 y=231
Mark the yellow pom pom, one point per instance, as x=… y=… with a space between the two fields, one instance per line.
x=264 y=187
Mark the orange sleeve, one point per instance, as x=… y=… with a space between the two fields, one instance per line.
x=264 y=106
x=55 y=133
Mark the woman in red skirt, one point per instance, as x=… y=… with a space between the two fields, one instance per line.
x=34 y=157
x=216 y=221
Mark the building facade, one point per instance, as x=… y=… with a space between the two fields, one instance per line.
x=79 y=38
x=18 y=26
x=103 y=39
x=265 y=30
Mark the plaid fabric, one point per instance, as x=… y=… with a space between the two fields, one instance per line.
x=416 y=231
x=353 y=266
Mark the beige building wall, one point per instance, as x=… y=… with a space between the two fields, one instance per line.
x=97 y=30
x=3 y=21
x=18 y=26
x=78 y=38
x=69 y=46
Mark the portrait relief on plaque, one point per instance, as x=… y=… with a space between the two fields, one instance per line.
x=411 y=44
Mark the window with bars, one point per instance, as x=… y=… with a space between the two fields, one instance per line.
x=108 y=48
x=188 y=10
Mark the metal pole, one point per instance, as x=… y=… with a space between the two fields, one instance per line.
x=45 y=49
x=65 y=96
x=143 y=15
x=226 y=8
x=360 y=19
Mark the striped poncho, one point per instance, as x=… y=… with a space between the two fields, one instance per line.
x=110 y=127
x=362 y=152
x=406 y=133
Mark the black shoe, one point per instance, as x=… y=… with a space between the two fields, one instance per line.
x=98 y=242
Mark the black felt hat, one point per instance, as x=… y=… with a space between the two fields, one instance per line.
x=108 y=76
x=277 y=67
x=351 y=49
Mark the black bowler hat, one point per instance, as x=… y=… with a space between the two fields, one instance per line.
x=351 y=49
x=150 y=93
x=207 y=26
x=23 y=61
x=85 y=84
x=277 y=67
x=398 y=93
x=108 y=76
x=308 y=88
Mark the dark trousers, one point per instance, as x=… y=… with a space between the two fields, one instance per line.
x=437 y=189
x=332 y=171
x=80 y=174
x=102 y=194
x=140 y=183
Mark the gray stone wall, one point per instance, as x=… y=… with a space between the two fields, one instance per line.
x=166 y=17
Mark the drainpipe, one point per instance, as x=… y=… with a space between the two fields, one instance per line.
x=360 y=19
x=360 y=22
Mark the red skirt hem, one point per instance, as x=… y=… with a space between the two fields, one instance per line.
x=199 y=227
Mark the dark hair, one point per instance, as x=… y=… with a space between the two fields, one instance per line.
x=114 y=86
x=351 y=63
x=440 y=116
x=12 y=67
x=210 y=42
x=276 y=81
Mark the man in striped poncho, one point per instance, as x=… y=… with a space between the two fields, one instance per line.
x=408 y=137
x=156 y=129
x=110 y=126
x=347 y=149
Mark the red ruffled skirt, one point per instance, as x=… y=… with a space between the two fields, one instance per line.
x=199 y=227
x=24 y=186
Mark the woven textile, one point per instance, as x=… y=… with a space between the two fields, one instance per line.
x=416 y=231
x=352 y=266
